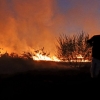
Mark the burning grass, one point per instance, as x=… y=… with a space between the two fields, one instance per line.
x=12 y=64
x=38 y=69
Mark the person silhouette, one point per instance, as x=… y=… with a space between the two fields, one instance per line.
x=94 y=42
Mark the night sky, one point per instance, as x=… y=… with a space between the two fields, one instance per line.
x=26 y=24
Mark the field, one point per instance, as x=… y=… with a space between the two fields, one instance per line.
x=19 y=76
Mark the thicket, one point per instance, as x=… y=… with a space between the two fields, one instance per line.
x=70 y=47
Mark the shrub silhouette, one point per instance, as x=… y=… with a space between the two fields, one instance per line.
x=13 y=60
x=69 y=47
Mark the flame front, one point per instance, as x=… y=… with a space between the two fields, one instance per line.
x=44 y=57
x=80 y=58
x=41 y=55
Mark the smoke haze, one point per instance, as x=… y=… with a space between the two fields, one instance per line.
x=26 y=24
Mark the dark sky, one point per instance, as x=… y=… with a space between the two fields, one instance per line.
x=37 y=23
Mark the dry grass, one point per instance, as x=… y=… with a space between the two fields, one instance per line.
x=28 y=77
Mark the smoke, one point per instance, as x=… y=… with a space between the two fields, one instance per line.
x=26 y=24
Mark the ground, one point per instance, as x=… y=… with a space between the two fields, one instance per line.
x=45 y=77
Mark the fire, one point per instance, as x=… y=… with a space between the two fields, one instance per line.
x=41 y=55
x=80 y=58
x=2 y=51
x=54 y=58
x=44 y=57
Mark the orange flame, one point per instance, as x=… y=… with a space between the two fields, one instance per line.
x=41 y=55
x=44 y=57
x=80 y=58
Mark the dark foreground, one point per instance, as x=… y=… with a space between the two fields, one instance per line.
x=31 y=79
x=48 y=82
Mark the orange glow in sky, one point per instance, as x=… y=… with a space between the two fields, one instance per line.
x=26 y=24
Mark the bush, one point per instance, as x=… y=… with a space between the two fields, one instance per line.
x=69 y=48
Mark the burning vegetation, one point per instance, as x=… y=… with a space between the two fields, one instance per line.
x=73 y=52
x=74 y=48
x=69 y=49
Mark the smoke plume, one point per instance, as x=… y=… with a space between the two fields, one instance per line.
x=26 y=24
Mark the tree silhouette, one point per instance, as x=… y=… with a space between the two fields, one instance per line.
x=69 y=46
